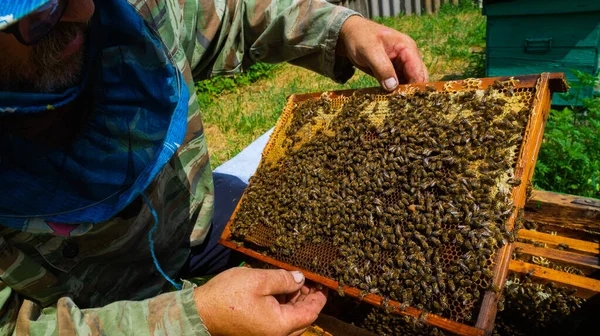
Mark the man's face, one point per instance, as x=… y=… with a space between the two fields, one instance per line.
x=55 y=62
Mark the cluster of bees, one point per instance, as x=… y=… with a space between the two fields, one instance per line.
x=530 y=308
x=533 y=308
x=406 y=196
x=384 y=324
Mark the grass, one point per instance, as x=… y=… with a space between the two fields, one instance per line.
x=236 y=113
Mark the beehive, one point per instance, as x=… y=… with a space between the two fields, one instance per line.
x=290 y=230
x=554 y=268
x=523 y=37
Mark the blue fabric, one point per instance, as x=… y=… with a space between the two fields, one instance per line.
x=230 y=181
x=138 y=119
x=13 y=10
x=211 y=257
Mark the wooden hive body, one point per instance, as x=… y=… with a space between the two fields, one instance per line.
x=528 y=36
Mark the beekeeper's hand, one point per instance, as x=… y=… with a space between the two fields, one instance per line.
x=243 y=301
x=386 y=54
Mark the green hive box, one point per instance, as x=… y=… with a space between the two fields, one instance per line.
x=535 y=36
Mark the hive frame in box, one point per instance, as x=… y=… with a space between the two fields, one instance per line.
x=543 y=84
x=575 y=222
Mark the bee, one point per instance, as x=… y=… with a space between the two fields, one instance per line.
x=385 y=303
x=514 y=181
x=465 y=282
x=500 y=306
x=451 y=285
x=340 y=291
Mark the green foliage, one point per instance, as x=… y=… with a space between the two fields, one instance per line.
x=569 y=158
x=208 y=89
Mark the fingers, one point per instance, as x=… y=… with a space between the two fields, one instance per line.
x=293 y=297
x=401 y=63
x=410 y=64
x=390 y=56
x=301 y=314
x=281 y=282
x=382 y=68
x=301 y=294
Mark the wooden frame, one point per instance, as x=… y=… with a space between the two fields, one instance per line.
x=577 y=217
x=544 y=85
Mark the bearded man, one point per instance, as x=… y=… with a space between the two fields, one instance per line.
x=106 y=192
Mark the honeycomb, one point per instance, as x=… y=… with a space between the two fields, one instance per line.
x=295 y=211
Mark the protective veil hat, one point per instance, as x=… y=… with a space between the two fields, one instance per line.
x=12 y=11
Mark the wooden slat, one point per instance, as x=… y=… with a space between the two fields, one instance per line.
x=565 y=230
x=489 y=304
x=558 y=255
x=418 y=7
x=574 y=244
x=408 y=7
x=525 y=81
x=528 y=152
x=586 y=287
x=523 y=170
x=577 y=212
x=428 y=7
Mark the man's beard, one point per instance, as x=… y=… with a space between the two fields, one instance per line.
x=46 y=71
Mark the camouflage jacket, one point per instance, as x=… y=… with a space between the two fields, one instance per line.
x=101 y=279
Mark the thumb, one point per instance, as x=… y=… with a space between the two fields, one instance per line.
x=282 y=282
x=383 y=69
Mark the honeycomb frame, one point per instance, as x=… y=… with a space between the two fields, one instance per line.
x=540 y=86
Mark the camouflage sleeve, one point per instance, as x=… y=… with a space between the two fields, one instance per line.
x=173 y=313
x=232 y=35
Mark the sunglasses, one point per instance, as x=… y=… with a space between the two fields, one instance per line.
x=33 y=27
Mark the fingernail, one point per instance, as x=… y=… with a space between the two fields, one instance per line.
x=298 y=276
x=390 y=83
